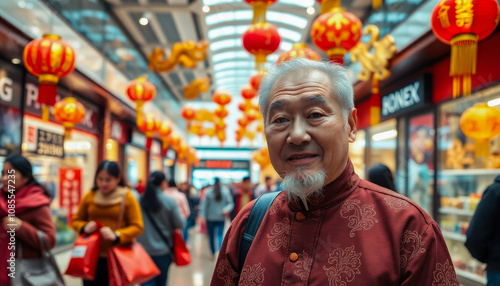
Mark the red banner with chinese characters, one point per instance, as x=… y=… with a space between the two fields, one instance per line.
x=70 y=186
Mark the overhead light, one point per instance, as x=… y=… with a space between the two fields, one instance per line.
x=205 y=9
x=143 y=21
x=385 y=135
x=16 y=61
x=311 y=10
x=494 y=102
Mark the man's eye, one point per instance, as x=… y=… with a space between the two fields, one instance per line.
x=316 y=115
x=280 y=120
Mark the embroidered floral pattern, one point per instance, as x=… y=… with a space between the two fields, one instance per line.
x=362 y=218
x=345 y=265
x=252 y=275
x=276 y=206
x=226 y=273
x=412 y=244
x=279 y=235
x=303 y=266
x=444 y=275
x=396 y=203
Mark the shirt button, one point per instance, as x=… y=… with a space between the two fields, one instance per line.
x=294 y=257
x=300 y=216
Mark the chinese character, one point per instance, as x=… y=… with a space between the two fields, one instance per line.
x=41 y=137
x=443 y=14
x=464 y=13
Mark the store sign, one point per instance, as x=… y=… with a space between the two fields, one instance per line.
x=89 y=122
x=410 y=96
x=70 y=186
x=10 y=85
x=119 y=131
x=138 y=139
x=49 y=144
x=224 y=164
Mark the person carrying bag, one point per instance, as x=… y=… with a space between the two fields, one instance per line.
x=85 y=255
x=163 y=217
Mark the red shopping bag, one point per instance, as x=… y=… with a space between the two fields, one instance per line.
x=83 y=262
x=130 y=265
x=181 y=252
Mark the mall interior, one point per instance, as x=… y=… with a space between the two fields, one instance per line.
x=172 y=86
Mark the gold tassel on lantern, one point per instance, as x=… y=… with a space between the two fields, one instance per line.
x=259 y=11
x=138 y=111
x=375 y=103
x=328 y=5
x=376 y=3
x=463 y=62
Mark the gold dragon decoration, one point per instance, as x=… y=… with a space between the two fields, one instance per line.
x=196 y=87
x=186 y=53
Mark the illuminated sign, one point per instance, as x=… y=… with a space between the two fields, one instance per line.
x=224 y=164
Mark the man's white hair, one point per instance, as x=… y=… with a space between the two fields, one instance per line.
x=341 y=86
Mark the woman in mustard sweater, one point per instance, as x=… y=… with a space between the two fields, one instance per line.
x=103 y=204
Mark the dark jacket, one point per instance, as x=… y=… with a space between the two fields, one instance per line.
x=483 y=235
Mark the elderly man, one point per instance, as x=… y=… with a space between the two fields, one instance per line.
x=329 y=227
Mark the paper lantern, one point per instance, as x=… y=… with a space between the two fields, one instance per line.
x=257 y=78
x=299 y=50
x=210 y=132
x=220 y=125
x=336 y=33
x=221 y=97
x=149 y=126
x=245 y=105
x=243 y=122
x=140 y=91
x=221 y=112
x=174 y=140
x=481 y=123
x=188 y=113
x=203 y=114
x=49 y=59
x=462 y=24
x=261 y=40
x=248 y=92
x=259 y=9
x=251 y=115
x=164 y=131
x=70 y=112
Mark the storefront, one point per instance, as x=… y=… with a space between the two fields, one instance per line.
x=155 y=158
x=229 y=171
x=135 y=161
x=11 y=78
x=118 y=138
x=168 y=164
x=66 y=167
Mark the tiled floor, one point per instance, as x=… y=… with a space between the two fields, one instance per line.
x=198 y=273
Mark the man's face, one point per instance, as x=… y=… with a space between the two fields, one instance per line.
x=305 y=128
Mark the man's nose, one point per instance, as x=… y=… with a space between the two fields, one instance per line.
x=299 y=133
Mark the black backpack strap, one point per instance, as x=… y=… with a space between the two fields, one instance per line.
x=259 y=210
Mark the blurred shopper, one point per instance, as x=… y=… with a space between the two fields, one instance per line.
x=193 y=202
x=483 y=234
x=381 y=175
x=23 y=197
x=265 y=188
x=216 y=206
x=242 y=196
x=202 y=222
x=103 y=204
x=172 y=191
x=328 y=227
x=140 y=187
x=161 y=214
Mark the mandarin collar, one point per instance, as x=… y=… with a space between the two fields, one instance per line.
x=333 y=193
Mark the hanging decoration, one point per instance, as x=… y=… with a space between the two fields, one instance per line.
x=299 y=50
x=336 y=31
x=164 y=131
x=221 y=97
x=49 y=59
x=260 y=9
x=261 y=156
x=140 y=91
x=261 y=40
x=462 y=24
x=187 y=54
x=221 y=111
x=188 y=113
x=174 y=139
x=70 y=112
x=481 y=122
x=257 y=78
x=375 y=66
x=196 y=87
x=149 y=126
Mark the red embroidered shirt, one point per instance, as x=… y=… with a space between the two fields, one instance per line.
x=357 y=233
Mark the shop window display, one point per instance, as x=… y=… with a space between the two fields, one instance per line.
x=383 y=144
x=462 y=178
x=357 y=153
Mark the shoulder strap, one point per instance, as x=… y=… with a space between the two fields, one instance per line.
x=259 y=210
x=122 y=211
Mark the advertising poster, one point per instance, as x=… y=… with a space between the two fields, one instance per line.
x=70 y=186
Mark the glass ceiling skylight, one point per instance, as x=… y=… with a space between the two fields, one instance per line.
x=301 y=3
x=286 y=18
x=235 y=72
x=230 y=55
x=241 y=29
x=247 y=15
x=225 y=44
x=239 y=64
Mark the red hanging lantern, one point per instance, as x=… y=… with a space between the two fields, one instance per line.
x=221 y=97
x=49 y=59
x=243 y=122
x=222 y=137
x=220 y=125
x=261 y=39
x=70 y=112
x=221 y=111
x=252 y=115
x=164 y=132
x=257 y=78
x=481 y=122
x=140 y=91
x=248 y=92
x=336 y=33
x=299 y=50
x=149 y=126
x=462 y=24
x=245 y=105
x=259 y=9
x=188 y=113
x=174 y=140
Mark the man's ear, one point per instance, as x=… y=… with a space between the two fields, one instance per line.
x=352 y=122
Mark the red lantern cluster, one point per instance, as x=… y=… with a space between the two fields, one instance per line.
x=49 y=59
x=149 y=126
x=463 y=24
x=140 y=91
x=336 y=33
